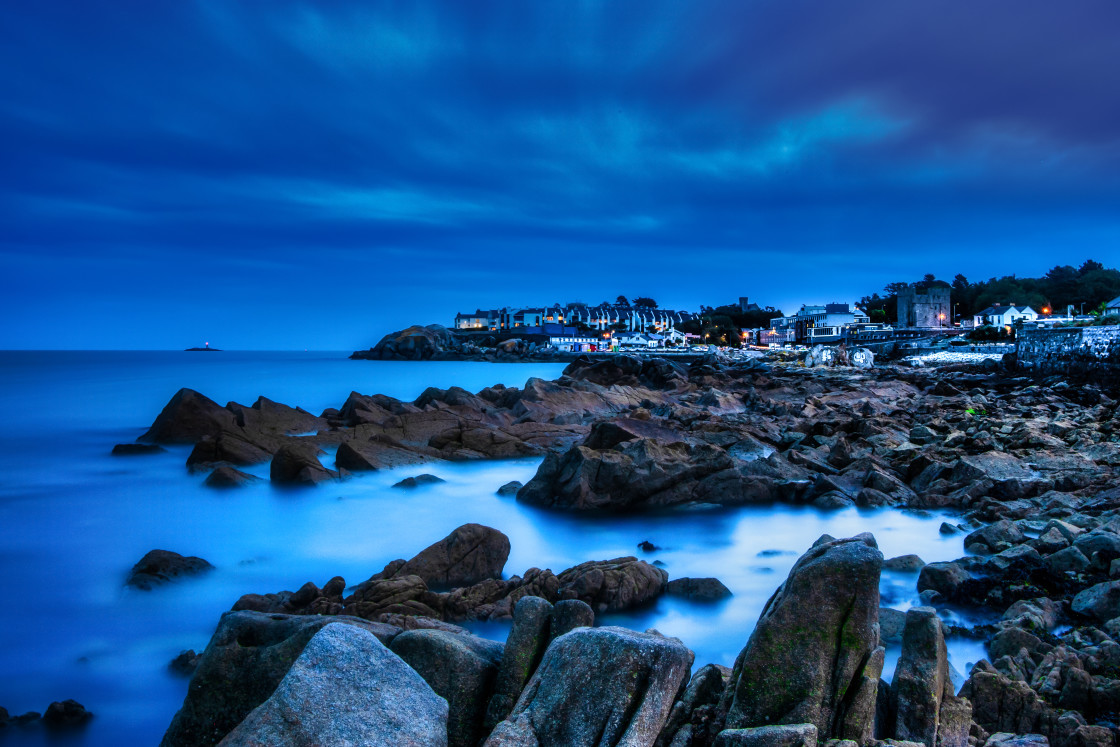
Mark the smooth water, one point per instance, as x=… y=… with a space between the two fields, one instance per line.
x=73 y=520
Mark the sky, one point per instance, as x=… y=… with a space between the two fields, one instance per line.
x=270 y=174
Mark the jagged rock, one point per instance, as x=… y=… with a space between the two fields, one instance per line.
x=598 y=686
x=1001 y=704
x=187 y=418
x=996 y=537
x=944 y=578
x=892 y=622
x=698 y=589
x=510 y=488
x=161 y=566
x=346 y=688
x=247 y=657
x=228 y=477
x=792 y=671
x=461 y=669
x=297 y=463
x=924 y=701
x=704 y=689
x=379 y=452
x=470 y=554
x=66 y=714
x=185 y=663
x=528 y=639
x=904 y=563
x=225 y=448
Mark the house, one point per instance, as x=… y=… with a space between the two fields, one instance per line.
x=1113 y=306
x=997 y=315
x=638 y=341
x=814 y=324
x=479 y=320
x=675 y=337
x=577 y=342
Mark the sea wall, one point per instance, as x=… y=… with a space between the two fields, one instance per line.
x=1080 y=351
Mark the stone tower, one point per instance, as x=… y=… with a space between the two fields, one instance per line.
x=927 y=308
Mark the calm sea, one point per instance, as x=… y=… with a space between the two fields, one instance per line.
x=74 y=519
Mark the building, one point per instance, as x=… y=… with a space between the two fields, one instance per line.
x=638 y=341
x=815 y=324
x=577 y=342
x=745 y=305
x=481 y=320
x=602 y=317
x=997 y=315
x=1113 y=306
x=929 y=308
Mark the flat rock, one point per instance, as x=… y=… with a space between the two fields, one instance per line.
x=418 y=480
x=698 y=589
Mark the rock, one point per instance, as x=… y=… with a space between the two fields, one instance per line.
x=1064 y=561
x=185 y=663
x=904 y=563
x=379 y=452
x=698 y=589
x=225 y=448
x=346 y=688
x=1101 y=602
x=161 y=566
x=997 y=537
x=415 y=343
x=704 y=689
x=787 y=735
x=944 y=578
x=1004 y=739
x=613 y=585
x=793 y=669
x=228 y=477
x=924 y=701
x=947 y=528
x=598 y=686
x=187 y=418
x=137 y=449
x=297 y=463
x=647 y=546
x=417 y=481
x=510 y=488
x=461 y=669
x=470 y=554
x=1001 y=704
x=891 y=624
x=528 y=639
x=67 y=714
x=247 y=657
x=569 y=614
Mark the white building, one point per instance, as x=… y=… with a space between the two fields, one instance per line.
x=997 y=315
x=575 y=343
x=1113 y=306
x=638 y=341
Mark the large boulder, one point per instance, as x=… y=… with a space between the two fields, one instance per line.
x=187 y=418
x=1101 y=601
x=791 y=735
x=346 y=688
x=161 y=566
x=460 y=669
x=598 y=686
x=924 y=701
x=247 y=657
x=413 y=344
x=814 y=656
x=470 y=554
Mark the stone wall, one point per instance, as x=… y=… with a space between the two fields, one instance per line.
x=930 y=308
x=1086 y=351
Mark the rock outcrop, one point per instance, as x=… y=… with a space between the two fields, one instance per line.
x=159 y=567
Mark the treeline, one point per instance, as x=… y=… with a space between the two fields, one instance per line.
x=721 y=325
x=1086 y=288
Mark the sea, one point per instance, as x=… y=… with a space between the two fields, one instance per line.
x=74 y=520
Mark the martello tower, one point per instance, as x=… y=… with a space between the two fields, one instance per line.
x=924 y=308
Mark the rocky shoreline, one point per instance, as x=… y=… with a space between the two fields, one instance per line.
x=1030 y=465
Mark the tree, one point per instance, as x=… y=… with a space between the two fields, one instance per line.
x=621 y=301
x=644 y=302
x=960 y=282
x=1090 y=265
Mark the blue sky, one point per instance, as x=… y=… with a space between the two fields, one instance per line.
x=312 y=175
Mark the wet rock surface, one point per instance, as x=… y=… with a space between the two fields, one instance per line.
x=159 y=567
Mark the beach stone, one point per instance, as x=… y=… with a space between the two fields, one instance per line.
x=162 y=566
x=1005 y=739
x=470 y=554
x=786 y=735
x=944 y=578
x=528 y=639
x=461 y=669
x=904 y=563
x=613 y=585
x=698 y=589
x=510 y=488
x=1064 y=561
x=598 y=686
x=414 y=482
x=346 y=688
x=247 y=657
x=792 y=669
x=1101 y=601
x=996 y=537
x=891 y=624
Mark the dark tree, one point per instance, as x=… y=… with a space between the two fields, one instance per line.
x=621 y=301
x=645 y=302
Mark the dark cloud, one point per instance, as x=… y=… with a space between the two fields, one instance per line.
x=173 y=169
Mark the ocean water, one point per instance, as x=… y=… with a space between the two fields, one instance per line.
x=73 y=520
